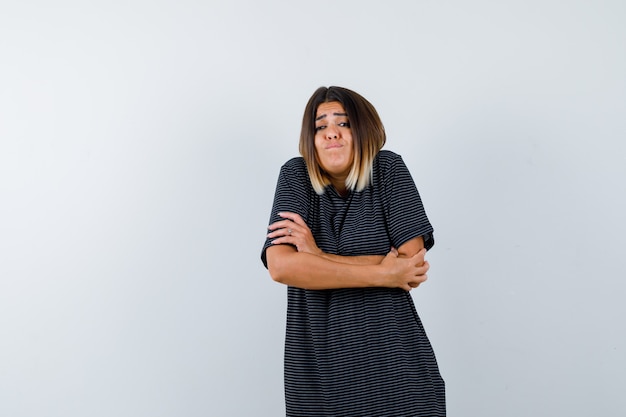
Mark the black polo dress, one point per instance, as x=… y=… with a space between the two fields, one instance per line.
x=358 y=351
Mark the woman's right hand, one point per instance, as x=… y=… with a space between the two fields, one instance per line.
x=405 y=273
x=294 y=231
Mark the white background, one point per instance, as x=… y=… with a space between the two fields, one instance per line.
x=140 y=142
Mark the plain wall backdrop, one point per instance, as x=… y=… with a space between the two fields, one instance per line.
x=140 y=143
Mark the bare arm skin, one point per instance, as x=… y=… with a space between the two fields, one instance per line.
x=304 y=270
x=304 y=265
x=409 y=249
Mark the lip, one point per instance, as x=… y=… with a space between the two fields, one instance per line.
x=334 y=145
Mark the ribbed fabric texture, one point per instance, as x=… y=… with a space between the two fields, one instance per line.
x=358 y=352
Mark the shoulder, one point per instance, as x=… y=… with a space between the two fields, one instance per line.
x=294 y=172
x=386 y=162
x=386 y=157
x=295 y=164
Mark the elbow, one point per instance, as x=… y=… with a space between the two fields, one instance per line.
x=282 y=263
x=277 y=270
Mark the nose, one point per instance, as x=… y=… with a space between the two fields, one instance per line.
x=331 y=132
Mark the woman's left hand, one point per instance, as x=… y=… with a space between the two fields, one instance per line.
x=293 y=230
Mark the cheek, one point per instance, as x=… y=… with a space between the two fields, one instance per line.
x=351 y=158
x=318 y=145
x=318 y=148
x=351 y=146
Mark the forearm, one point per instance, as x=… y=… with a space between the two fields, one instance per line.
x=354 y=260
x=304 y=270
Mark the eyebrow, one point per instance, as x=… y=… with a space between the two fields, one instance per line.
x=334 y=114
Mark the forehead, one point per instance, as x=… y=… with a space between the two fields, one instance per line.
x=329 y=109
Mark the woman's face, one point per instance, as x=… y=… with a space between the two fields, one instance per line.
x=333 y=140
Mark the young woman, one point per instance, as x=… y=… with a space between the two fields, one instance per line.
x=347 y=235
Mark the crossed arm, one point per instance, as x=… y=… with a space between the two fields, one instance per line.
x=302 y=264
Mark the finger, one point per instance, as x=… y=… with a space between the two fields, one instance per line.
x=420 y=277
x=284 y=231
x=421 y=270
x=418 y=258
x=281 y=224
x=295 y=217
x=276 y=225
x=286 y=239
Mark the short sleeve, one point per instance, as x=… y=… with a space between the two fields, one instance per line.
x=404 y=212
x=291 y=194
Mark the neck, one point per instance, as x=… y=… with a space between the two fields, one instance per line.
x=340 y=186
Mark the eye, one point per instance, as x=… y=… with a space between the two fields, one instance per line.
x=344 y=124
x=318 y=128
